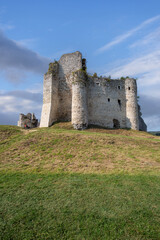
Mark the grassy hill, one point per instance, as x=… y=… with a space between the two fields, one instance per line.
x=59 y=183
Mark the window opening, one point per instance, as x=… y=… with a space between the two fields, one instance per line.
x=129 y=88
x=84 y=64
x=119 y=102
x=108 y=99
x=119 y=87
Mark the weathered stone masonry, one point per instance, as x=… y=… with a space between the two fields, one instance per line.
x=69 y=94
x=27 y=121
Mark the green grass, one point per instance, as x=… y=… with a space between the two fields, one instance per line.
x=58 y=183
x=65 y=206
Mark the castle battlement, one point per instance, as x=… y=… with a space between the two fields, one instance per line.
x=70 y=94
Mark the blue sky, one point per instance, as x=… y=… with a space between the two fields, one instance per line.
x=118 y=38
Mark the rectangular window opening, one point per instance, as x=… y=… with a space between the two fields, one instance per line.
x=119 y=102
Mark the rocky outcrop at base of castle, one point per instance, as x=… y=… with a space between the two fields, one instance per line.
x=27 y=121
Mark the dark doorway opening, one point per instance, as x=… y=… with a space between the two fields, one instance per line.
x=116 y=123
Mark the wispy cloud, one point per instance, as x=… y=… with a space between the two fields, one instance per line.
x=153 y=37
x=29 y=42
x=147 y=69
x=144 y=63
x=141 y=65
x=126 y=35
x=20 y=101
x=16 y=58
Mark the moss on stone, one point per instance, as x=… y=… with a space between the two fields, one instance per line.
x=80 y=76
x=53 y=67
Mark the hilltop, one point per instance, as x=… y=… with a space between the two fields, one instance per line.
x=62 y=149
x=60 y=183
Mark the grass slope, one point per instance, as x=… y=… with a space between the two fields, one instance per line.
x=58 y=183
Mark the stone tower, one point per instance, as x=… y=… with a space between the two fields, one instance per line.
x=70 y=94
x=132 y=120
x=57 y=89
x=50 y=97
x=79 y=100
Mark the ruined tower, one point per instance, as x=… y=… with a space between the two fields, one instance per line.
x=132 y=119
x=70 y=94
x=79 y=100
x=50 y=96
x=57 y=89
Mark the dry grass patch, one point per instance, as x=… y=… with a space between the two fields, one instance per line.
x=44 y=195
x=61 y=149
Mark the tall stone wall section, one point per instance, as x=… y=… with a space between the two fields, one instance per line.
x=113 y=103
x=68 y=64
x=57 y=93
x=50 y=99
x=106 y=102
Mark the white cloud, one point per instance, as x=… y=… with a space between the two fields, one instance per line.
x=126 y=35
x=144 y=63
x=151 y=38
x=29 y=42
x=20 y=101
x=15 y=58
x=146 y=67
x=11 y=104
x=36 y=89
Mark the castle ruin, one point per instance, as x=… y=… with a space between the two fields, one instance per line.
x=70 y=94
x=27 y=121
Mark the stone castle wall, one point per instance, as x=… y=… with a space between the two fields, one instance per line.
x=57 y=90
x=68 y=63
x=50 y=100
x=70 y=94
x=106 y=102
